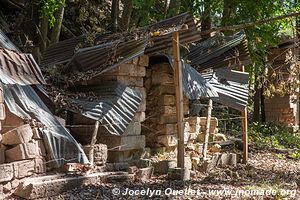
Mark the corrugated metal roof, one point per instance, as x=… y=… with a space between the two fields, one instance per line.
x=64 y=51
x=25 y=103
x=194 y=85
x=19 y=68
x=104 y=57
x=115 y=107
x=231 y=86
x=6 y=43
x=219 y=51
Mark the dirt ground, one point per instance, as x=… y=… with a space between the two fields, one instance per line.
x=266 y=176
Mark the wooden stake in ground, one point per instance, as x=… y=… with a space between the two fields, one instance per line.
x=205 y=146
x=245 y=136
x=179 y=99
x=93 y=142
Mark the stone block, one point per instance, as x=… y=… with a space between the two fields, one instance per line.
x=100 y=153
x=166 y=129
x=19 y=135
x=164 y=90
x=144 y=174
x=139 y=117
x=224 y=159
x=166 y=100
x=2 y=153
x=144 y=60
x=188 y=162
x=11 y=121
x=162 y=78
x=40 y=147
x=168 y=110
x=23 y=168
x=40 y=165
x=179 y=174
x=134 y=128
x=213 y=121
x=2 y=111
x=128 y=70
x=21 y=152
x=6 y=172
x=37 y=134
x=116 y=156
x=167 y=140
x=126 y=142
x=163 y=166
x=167 y=119
x=119 y=177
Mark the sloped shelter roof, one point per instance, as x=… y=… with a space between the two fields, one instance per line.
x=19 y=68
x=231 y=86
x=114 y=108
x=220 y=51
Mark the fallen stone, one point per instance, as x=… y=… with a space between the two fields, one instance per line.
x=132 y=169
x=205 y=166
x=119 y=178
x=122 y=143
x=224 y=159
x=23 y=168
x=144 y=174
x=219 y=137
x=7 y=187
x=179 y=174
x=19 y=135
x=7 y=172
x=215 y=148
x=167 y=140
x=162 y=167
x=100 y=153
x=187 y=162
x=41 y=187
x=21 y=152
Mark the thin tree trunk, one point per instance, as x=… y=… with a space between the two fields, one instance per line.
x=115 y=15
x=58 y=23
x=206 y=22
x=44 y=33
x=256 y=112
x=205 y=146
x=93 y=142
x=262 y=105
x=126 y=15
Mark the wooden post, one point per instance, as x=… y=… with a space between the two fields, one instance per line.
x=93 y=142
x=245 y=136
x=207 y=129
x=179 y=99
x=245 y=131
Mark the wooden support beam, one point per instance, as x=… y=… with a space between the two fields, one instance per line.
x=245 y=136
x=205 y=146
x=93 y=142
x=179 y=99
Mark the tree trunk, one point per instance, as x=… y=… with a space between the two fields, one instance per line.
x=262 y=105
x=206 y=19
x=227 y=10
x=115 y=15
x=206 y=139
x=44 y=33
x=58 y=23
x=256 y=112
x=126 y=15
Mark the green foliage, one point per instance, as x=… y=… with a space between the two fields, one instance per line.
x=295 y=155
x=273 y=136
x=48 y=8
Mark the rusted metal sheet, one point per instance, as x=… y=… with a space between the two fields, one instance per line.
x=104 y=57
x=65 y=51
x=194 y=85
x=25 y=103
x=19 y=68
x=6 y=43
x=220 y=51
x=231 y=86
x=114 y=109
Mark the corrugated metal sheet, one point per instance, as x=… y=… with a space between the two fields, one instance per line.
x=6 y=43
x=25 y=103
x=104 y=57
x=19 y=68
x=64 y=51
x=194 y=85
x=114 y=109
x=231 y=86
x=164 y=41
x=219 y=51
